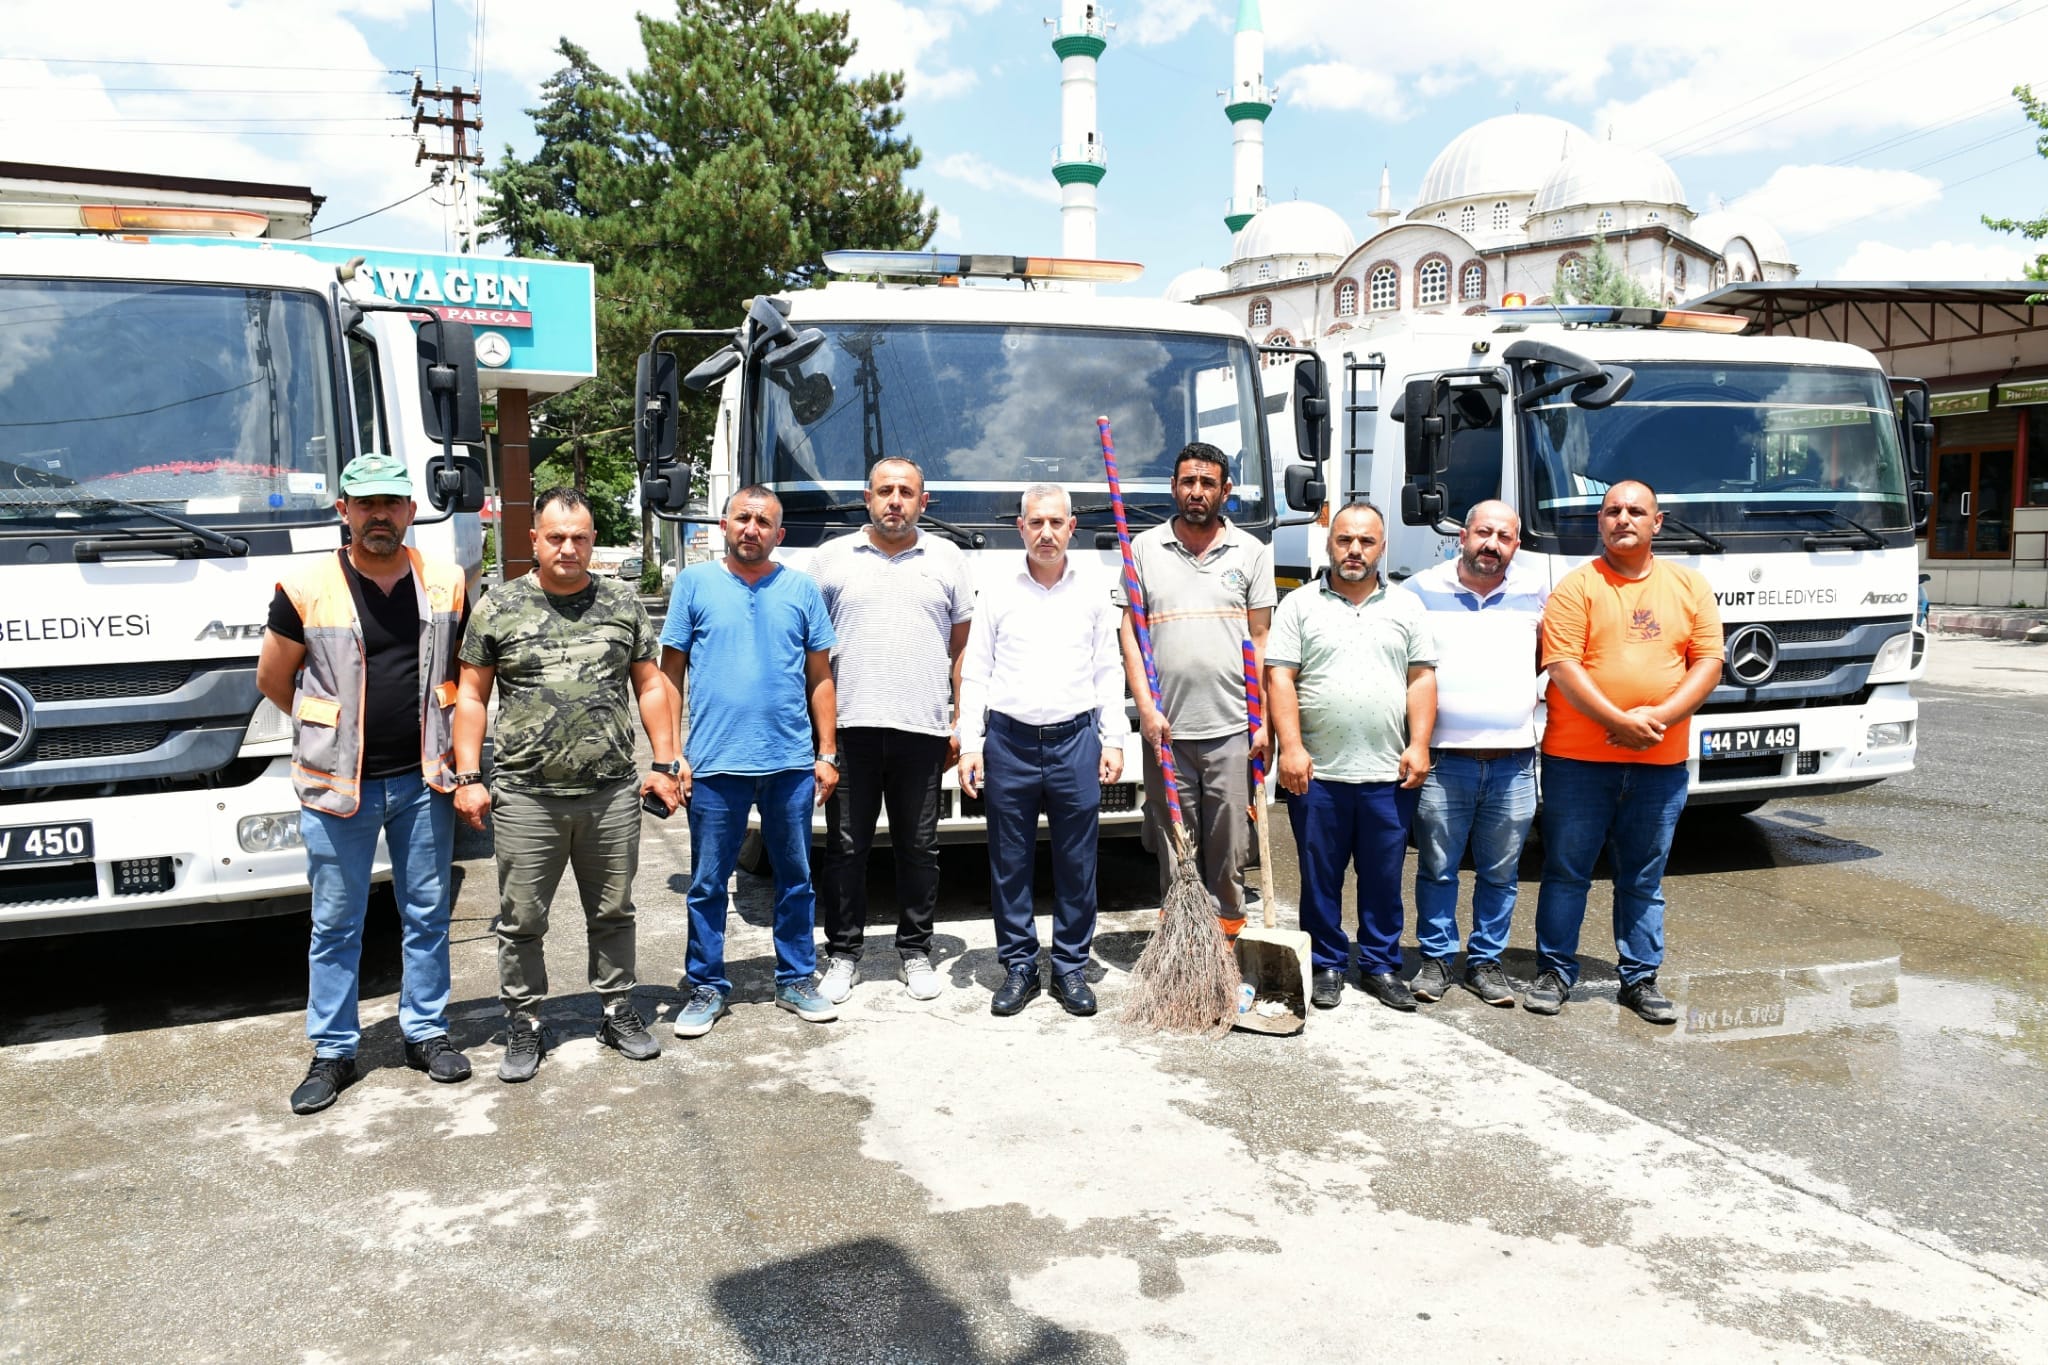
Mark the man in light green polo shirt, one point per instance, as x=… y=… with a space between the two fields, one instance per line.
x=1351 y=672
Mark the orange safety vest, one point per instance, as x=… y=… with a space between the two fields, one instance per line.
x=327 y=748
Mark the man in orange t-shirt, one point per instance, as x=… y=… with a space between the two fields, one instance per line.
x=1633 y=645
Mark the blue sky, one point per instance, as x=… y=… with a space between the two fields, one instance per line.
x=1873 y=136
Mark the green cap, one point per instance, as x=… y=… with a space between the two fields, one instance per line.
x=374 y=474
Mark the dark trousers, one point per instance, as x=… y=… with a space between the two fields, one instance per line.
x=900 y=770
x=1056 y=769
x=1363 y=825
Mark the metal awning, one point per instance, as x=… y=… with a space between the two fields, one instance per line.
x=1886 y=316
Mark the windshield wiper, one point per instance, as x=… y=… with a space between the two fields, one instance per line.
x=196 y=537
x=1862 y=535
x=1693 y=535
x=1131 y=511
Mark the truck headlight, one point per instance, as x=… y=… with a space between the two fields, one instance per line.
x=1891 y=734
x=269 y=833
x=1893 y=656
x=267 y=723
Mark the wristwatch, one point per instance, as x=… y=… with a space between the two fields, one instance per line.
x=672 y=768
x=833 y=759
x=468 y=779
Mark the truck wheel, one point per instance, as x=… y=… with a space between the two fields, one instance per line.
x=753 y=857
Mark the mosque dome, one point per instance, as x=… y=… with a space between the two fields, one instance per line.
x=1717 y=229
x=1190 y=285
x=1295 y=228
x=1609 y=173
x=1508 y=155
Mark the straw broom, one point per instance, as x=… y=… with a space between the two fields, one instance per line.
x=1186 y=980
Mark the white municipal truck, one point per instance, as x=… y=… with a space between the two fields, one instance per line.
x=991 y=382
x=173 y=421
x=1792 y=474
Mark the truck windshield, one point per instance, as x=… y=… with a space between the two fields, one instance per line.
x=988 y=409
x=216 y=404
x=1727 y=448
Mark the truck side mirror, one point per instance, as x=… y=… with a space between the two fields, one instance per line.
x=666 y=488
x=455 y=483
x=1422 y=423
x=1422 y=504
x=449 y=395
x=655 y=396
x=1311 y=411
x=1916 y=432
x=1305 y=491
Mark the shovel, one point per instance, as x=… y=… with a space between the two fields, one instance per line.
x=1273 y=962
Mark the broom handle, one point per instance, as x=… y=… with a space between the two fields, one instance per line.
x=1255 y=713
x=1136 y=596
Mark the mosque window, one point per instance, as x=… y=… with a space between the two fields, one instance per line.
x=1606 y=219
x=1347 y=299
x=1262 y=313
x=1557 y=227
x=1279 y=339
x=1433 y=283
x=1472 y=288
x=1500 y=216
x=1385 y=288
x=1265 y=270
x=1571 y=269
x=1740 y=277
x=1720 y=273
x=1468 y=218
x=1651 y=215
x=1302 y=268
x=1443 y=215
x=1678 y=276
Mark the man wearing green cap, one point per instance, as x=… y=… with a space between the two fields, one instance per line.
x=360 y=653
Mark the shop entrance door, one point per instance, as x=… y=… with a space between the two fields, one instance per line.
x=1973 y=499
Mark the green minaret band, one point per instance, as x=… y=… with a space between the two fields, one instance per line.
x=1247 y=109
x=1236 y=221
x=1078 y=172
x=1079 y=45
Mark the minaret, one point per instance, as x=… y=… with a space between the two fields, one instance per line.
x=1078 y=163
x=1250 y=102
x=1386 y=214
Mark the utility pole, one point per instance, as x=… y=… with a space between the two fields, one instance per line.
x=461 y=120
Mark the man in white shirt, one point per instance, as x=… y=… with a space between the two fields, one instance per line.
x=1481 y=790
x=1041 y=728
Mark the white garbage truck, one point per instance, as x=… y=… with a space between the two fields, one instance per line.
x=1792 y=474
x=989 y=371
x=174 y=416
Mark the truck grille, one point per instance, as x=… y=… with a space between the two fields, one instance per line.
x=88 y=681
x=105 y=741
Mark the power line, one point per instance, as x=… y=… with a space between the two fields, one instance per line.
x=1948 y=185
x=214 y=66
x=354 y=91
x=226 y=118
x=374 y=212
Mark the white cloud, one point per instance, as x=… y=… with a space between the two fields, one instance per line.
x=949 y=228
x=970 y=169
x=1802 y=200
x=1943 y=260
x=1342 y=85
x=1162 y=21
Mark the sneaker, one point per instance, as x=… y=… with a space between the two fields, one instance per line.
x=1432 y=980
x=705 y=1007
x=1020 y=987
x=1546 y=994
x=918 y=977
x=1071 y=989
x=623 y=1029
x=1487 y=981
x=438 y=1058
x=525 y=1044
x=801 y=998
x=1646 y=1000
x=325 y=1080
x=838 y=982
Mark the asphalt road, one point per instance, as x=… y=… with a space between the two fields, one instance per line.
x=1835 y=1155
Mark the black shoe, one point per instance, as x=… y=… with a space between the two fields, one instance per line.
x=525 y=1044
x=438 y=1058
x=1546 y=994
x=1487 y=981
x=1019 y=989
x=1432 y=980
x=1328 y=991
x=623 y=1029
x=325 y=1079
x=1388 y=989
x=1646 y=1000
x=1073 y=992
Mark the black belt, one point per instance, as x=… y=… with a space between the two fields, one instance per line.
x=1044 y=734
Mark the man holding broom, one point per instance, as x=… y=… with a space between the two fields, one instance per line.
x=1351 y=678
x=1207 y=588
x=1041 y=729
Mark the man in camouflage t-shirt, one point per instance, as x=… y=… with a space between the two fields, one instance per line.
x=561 y=647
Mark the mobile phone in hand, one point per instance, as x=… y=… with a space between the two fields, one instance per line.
x=654 y=805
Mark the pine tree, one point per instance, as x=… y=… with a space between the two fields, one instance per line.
x=2033 y=229
x=1602 y=279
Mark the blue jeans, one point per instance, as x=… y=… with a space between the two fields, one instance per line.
x=1362 y=825
x=419 y=828
x=719 y=803
x=1630 y=809
x=1488 y=803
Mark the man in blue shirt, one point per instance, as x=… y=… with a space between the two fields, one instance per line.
x=755 y=641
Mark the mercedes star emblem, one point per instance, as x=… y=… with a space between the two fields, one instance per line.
x=17 y=721
x=1752 y=655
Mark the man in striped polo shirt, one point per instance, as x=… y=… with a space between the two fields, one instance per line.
x=900 y=602
x=1481 y=789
